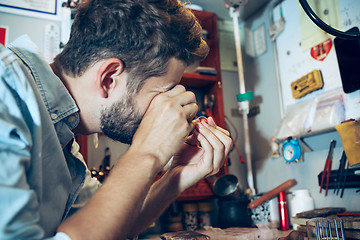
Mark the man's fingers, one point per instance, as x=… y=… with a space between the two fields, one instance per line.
x=175 y=91
x=222 y=134
x=224 y=137
x=215 y=147
x=186 y=99
x=208 y=157
x=190 y=111
x=212 y=123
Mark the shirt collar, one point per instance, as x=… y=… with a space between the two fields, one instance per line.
x=59 y=103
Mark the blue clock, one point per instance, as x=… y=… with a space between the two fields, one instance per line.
x=291 y=150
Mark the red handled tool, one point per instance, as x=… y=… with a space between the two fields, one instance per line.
x=327 y=167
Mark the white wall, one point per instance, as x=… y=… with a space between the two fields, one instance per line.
x=19 y=25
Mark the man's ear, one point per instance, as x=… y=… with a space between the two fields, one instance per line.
x=107 y=74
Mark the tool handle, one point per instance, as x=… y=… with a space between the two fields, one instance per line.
x=324 y=173
x=273 y=193
x=328 y=177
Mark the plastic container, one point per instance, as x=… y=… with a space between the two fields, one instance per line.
x=300 y=201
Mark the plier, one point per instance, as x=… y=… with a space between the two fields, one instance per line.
x=327 y=167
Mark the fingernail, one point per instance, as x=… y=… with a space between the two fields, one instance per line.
x=205 y=122
x=203 y=119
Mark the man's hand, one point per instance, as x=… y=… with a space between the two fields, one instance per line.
x=192 y=162
x=166 y=124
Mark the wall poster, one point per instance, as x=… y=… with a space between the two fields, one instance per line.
x=34 y=8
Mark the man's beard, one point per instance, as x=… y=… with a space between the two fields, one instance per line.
x=121 y=120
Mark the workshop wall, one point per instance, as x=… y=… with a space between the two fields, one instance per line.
x=260 y=77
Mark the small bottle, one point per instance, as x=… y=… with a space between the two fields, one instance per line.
x=204 y=214
x=190 y=216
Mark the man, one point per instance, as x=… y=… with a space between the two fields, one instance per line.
x=119 y=74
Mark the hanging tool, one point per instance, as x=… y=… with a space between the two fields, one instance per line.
x=340 y=173
x=327 y=167
x=344 y=181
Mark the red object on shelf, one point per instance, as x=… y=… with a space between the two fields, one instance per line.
x=198 y=80
x=348 y=214
x=284 y=217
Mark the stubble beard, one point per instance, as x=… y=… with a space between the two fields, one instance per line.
x=121 y=120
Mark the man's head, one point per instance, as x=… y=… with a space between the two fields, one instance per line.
x=133 y=40
x=143 y=34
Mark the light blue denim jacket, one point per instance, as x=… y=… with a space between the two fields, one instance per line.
x=39 y=176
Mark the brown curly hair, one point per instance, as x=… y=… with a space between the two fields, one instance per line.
x=143 y=34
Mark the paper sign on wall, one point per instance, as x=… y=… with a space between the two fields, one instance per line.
x=3 y=35
x=255 y=41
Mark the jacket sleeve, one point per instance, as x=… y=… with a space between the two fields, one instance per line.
x=18 y=203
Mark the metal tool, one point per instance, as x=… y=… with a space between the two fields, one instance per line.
x=344 y=181
x=326 y=228
x=340 y=173
x=327 y=167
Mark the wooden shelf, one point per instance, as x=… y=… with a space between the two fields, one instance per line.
x=207 y=85
x=198 y=80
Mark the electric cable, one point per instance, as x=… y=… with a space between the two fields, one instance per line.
x=242 y=160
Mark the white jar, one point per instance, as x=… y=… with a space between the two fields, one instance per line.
x=301 y=201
